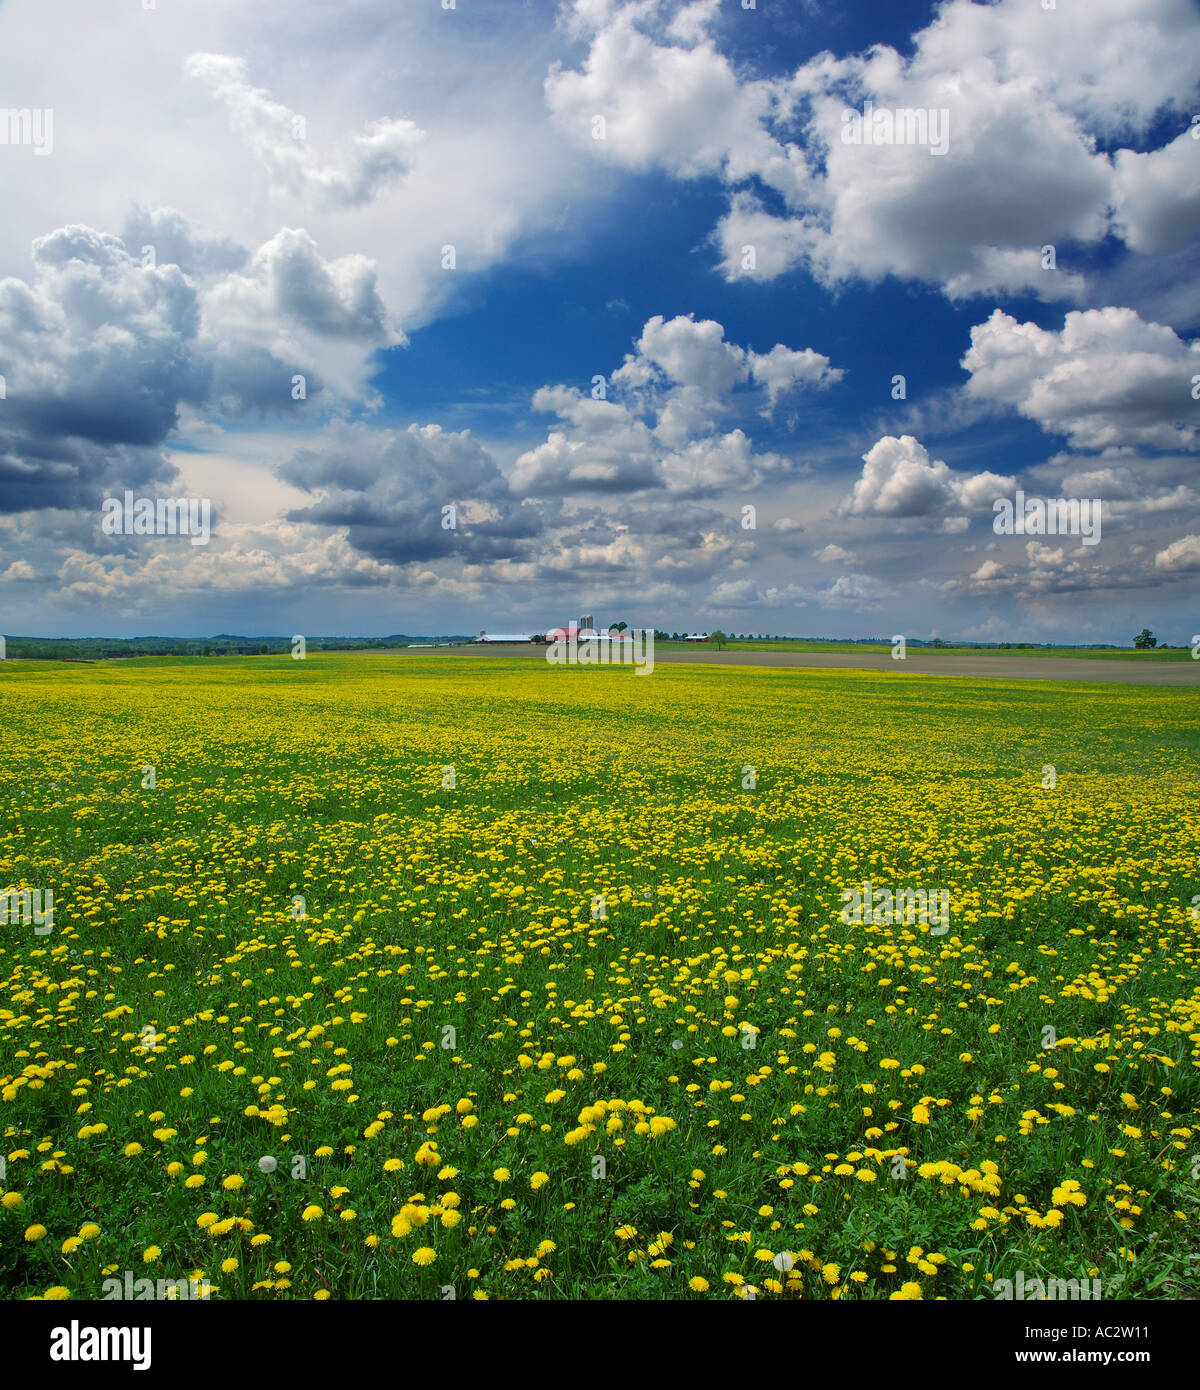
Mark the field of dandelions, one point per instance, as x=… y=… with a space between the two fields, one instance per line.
x=429 y=977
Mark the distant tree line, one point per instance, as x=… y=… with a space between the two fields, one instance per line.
x=227 y=644
x=224 y=644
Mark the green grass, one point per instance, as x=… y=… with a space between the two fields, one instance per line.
x=720 y=813
x=884 y=648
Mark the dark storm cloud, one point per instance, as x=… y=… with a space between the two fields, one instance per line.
x=390 y=489
x=72 y=473
x=101 y=350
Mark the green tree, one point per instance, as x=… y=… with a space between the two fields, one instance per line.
x=1145 y=640
x=717 y=638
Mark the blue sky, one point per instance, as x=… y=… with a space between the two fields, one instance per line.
x=228 y=205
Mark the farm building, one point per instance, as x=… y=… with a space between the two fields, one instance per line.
x=585 y=631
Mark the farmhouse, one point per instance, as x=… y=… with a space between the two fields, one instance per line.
x=585 y=631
